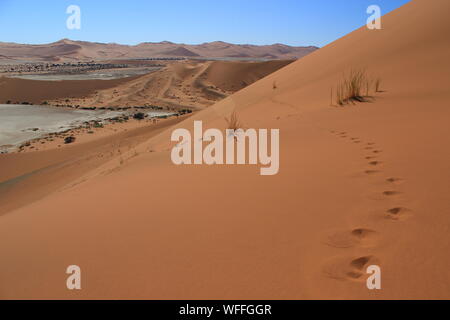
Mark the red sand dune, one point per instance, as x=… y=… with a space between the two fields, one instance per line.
x=193 y=84
x=358 y=185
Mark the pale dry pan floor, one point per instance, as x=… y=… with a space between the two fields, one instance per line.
x=358 y=185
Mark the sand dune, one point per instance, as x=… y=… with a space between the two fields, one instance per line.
x=358 y=185
x=192 y=84
x=27 y=177
x=66 y=50
x=18 y=90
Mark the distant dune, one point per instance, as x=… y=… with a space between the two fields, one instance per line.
x=180 y=52
x=194 y=84
x=359 y=185
x=15 y=90
x=68 y=50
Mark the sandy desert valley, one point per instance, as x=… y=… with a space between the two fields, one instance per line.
x=363 y=177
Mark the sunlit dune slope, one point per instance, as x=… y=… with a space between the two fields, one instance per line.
x=359 y=185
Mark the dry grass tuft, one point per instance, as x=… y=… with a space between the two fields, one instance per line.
x=331 y=97
x=233 y=122
x=377 y=85
x=368 y=85
x=355 y=86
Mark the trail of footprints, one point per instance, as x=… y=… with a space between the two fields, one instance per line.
x=353 y=268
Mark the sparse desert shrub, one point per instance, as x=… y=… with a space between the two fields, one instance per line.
x=139 y=116
x=339 y=94
x=233 y=122
x=331 y=97
x=184 y=111
x=70 y=139
x=377 y=85
x=354 y=84
x=355 y=87
x=368 y=85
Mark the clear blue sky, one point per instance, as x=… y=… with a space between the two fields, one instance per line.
x=293 y=22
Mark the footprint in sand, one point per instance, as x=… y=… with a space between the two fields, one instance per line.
x=352 y=269
x=391 y=193
x=394 y=180
x=371 y=171
x=357 y=237
x=398 y=213
x=384 y=195
x=377 y=151
x=375 y=163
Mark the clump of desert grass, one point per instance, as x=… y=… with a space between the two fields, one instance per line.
x=355 y=86
x=233 y=123
x=378 y=85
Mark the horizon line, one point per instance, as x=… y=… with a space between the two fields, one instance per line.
x=164 y=41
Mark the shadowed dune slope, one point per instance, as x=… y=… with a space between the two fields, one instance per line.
x=230 y=76
x=365 y=184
